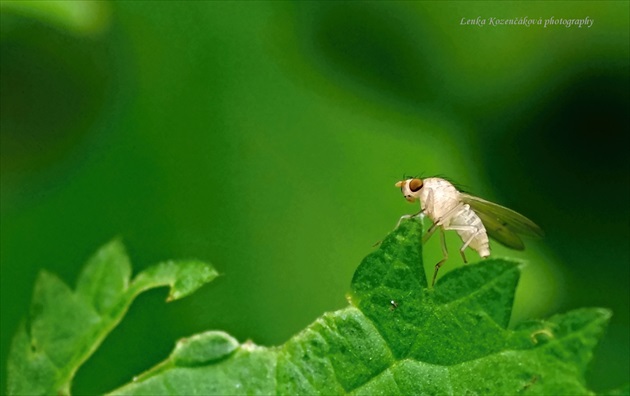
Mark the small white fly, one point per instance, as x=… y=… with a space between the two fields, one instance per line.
x=473 y=218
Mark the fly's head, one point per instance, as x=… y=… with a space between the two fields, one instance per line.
x=410 y=189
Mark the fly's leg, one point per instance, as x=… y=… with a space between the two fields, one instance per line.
x=461 y=250
x=428 y=204
x=476 y=231
x=429 y=201
x=407 y=216
x=444 y=258
x=420 y=213
x=440 y=221
x=429 y=233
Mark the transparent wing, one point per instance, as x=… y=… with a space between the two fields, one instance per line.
x=500 y=233
x=502 y=224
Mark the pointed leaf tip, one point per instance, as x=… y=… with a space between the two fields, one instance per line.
x=183 y=277
x=106 y=276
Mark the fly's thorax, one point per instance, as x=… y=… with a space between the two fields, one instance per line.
x=438 y=197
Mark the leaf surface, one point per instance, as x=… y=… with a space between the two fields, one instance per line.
x=400 y=337
x=65 y=327
x=397 y=336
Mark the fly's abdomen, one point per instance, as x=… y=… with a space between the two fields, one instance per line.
x=472 y=227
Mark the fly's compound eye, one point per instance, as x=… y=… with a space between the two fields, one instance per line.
x=415 y=185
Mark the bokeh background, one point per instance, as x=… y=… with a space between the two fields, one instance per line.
x=266 y=138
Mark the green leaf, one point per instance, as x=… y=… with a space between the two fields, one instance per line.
x=398 y=336
x=105 y=277
x=203 y=348
x=64 y=327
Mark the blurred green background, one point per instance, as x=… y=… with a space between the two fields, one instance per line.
x=266 y=138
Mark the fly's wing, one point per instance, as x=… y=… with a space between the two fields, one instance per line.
x=499 y=231
x=501 y=223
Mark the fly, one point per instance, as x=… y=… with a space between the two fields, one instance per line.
x=473 y=218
